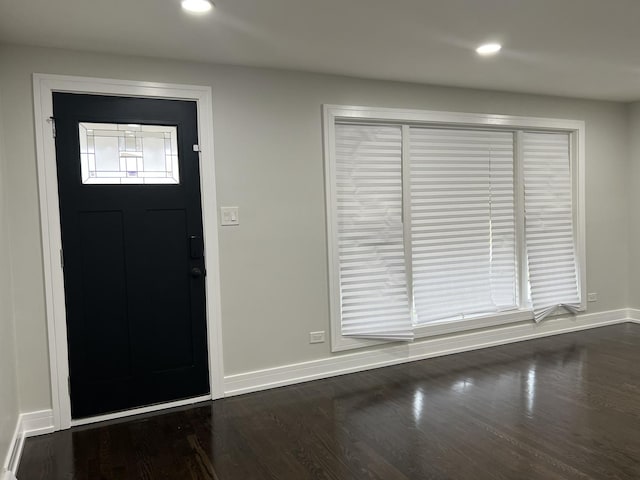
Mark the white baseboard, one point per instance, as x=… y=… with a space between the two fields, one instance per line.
x=432 y=347
x=15 y=450
x=633 y=315
x=37 y=423
x=7 y=475
x=27 y=425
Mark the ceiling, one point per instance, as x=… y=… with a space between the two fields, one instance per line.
x=578 y=48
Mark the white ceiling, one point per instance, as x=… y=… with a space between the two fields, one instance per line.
x=579 y=48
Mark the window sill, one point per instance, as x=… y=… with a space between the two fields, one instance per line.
x=457 y=326
x=340 y=343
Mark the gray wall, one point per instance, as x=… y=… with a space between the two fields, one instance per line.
x=8 y=382
x=268 y=149
x=634 y=204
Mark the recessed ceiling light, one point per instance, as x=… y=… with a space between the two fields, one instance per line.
x=488 y=49
x=197 y=6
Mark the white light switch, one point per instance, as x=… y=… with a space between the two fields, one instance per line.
x=229 y=216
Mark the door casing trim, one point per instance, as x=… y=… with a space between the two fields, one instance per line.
x=44 y=85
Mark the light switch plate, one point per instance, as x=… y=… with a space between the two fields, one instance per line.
x=229 y=216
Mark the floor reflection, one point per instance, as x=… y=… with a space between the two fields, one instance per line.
x=530 y=391
x=418 y=405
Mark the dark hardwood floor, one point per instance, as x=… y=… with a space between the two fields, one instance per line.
x=563 y=407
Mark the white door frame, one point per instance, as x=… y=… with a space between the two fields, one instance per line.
x=43 y=88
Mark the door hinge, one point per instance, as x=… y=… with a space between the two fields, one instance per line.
x=61 y=259
x=52 y=121
x=196 y=148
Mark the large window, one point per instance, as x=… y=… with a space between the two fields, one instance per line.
x=442 y=222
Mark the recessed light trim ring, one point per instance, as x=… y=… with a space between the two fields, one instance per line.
x=489 y=49
x=197 y=6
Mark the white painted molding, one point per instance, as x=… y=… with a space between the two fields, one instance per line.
x=27 y=425
x=431 y=347
x=43 y=87
x=37 y=423
x=15 y=448
x=362 y=113
x=633 y=314
x=7 y=475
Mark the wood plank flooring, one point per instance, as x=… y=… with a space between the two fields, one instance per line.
x=563 y=407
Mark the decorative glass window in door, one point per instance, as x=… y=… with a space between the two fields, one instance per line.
x=112 y=153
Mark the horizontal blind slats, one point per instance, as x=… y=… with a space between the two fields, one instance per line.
x=549 y=235
x=462 y=222
x=462 y=225
x=373 y=291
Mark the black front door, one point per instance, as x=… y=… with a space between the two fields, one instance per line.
x=130 y=212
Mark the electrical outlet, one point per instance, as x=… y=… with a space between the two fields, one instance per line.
x=592 y=297
x=316 y=337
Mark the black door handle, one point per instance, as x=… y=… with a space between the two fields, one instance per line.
x=196 y=272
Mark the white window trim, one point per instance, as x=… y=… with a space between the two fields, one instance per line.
x=334 y=113
x=44 y=85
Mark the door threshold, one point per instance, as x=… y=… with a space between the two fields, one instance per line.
x=137 y=411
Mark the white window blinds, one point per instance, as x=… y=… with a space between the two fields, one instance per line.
x=462 y=223
x=493 y=225
x=550 y=241
x=373 y=288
